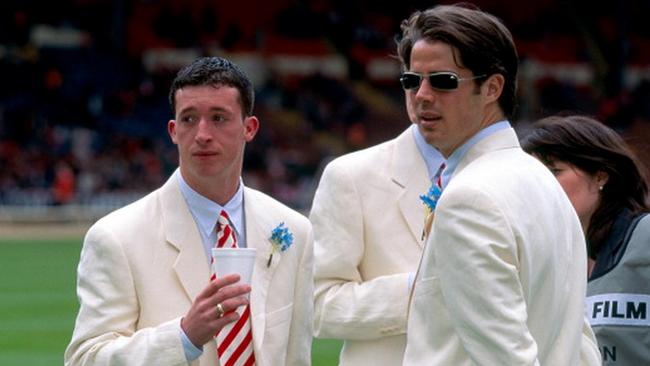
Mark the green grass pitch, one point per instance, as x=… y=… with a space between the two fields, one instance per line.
x=38 y=303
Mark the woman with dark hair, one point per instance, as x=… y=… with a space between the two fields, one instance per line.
x=609 y=190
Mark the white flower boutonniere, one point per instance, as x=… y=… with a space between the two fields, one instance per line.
x=281 y=239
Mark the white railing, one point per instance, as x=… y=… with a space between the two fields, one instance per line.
x=32 y=207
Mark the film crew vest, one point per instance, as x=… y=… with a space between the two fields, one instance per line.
x=618 y=302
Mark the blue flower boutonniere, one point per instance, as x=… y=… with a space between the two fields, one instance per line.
x=281 y=239
x=430 y=199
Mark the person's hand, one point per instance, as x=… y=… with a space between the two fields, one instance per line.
x=204 y=320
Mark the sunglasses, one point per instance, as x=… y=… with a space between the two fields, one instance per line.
x=444 y=80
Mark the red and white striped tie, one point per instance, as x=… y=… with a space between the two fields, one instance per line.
x=235 y=340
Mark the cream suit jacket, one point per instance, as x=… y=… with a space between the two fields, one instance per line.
x=368 y=222
x=141 y=267
x=503 y=275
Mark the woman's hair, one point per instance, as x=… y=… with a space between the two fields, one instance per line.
x=593 y=147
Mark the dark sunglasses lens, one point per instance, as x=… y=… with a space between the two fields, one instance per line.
x=443 y=81
x=410 y=81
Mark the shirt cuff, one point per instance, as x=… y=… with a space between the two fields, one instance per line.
x=191 y=351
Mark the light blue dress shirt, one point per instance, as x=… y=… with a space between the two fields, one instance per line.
x=205 y=213
x=432 y=157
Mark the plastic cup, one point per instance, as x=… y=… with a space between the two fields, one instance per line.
x=234 y=260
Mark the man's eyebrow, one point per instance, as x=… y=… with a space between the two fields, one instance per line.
x=212 y=109
x=219 y=109
x=187 y=109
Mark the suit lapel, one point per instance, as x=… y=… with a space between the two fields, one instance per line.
x=191 y=265
x=259 y=224
x=410 y=173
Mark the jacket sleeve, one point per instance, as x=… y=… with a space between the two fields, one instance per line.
x=348 y=306
x=477 y=261
x=105 y=331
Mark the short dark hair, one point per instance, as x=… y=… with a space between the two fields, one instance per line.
x=484 y=44
x=214 y=71
x=591 y=146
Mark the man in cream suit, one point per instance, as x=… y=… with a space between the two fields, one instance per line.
x=503 y=274
x=144 y=273
x=368 y=222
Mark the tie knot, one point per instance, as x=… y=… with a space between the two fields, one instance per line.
x=223 y=219
x=226 y=237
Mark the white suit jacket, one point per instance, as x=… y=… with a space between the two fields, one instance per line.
x=368 y=221
x=142 y=265
x=503 y=275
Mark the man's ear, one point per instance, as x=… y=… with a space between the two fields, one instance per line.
x=251 y=126
x=493 y=87
x=171 y=129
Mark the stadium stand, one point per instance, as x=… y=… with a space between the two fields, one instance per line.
x=83 y=101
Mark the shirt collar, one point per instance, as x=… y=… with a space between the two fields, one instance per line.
x=458 y=154
x=432 y=157
x=206 y=212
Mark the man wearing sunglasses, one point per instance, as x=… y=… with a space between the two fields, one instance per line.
x=503 y=273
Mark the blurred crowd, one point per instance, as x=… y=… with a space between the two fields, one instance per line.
x=83 y=103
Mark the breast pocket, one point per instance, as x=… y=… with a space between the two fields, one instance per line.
x=279 y=316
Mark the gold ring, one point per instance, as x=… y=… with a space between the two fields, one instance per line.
x=220 y=310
